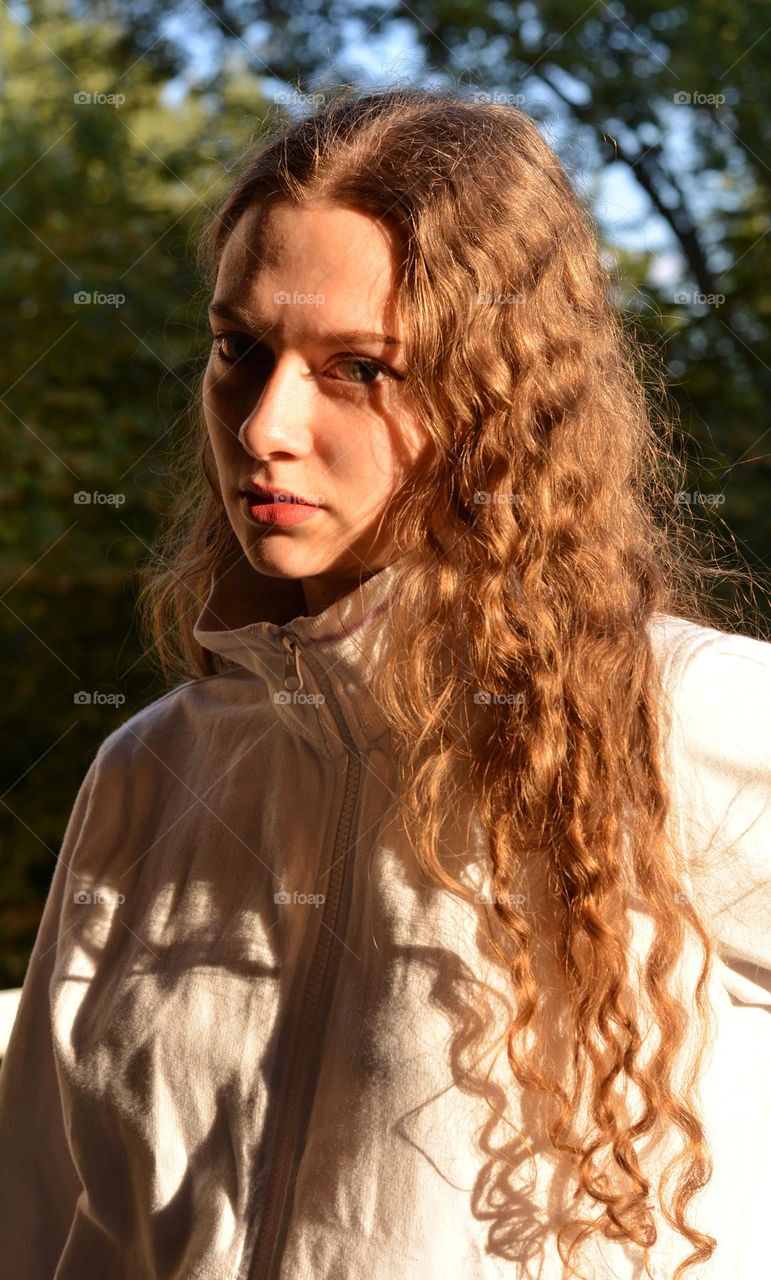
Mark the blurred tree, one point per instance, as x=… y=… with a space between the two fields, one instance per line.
x=104 y=334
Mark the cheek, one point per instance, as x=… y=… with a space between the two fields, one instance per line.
x=223 y=416
x=370 y=456
x=361 y=448
x=396 y=443
x=211 y=410
x=415 y=440
x=223 y=435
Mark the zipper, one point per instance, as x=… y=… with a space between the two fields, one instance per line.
x=292 y=678
x=292 y=1113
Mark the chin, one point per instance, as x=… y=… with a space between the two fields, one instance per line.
x=274 y=555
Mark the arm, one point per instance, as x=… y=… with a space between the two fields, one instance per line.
x=721 y=728
x=39 y=1185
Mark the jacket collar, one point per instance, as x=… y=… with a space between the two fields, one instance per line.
x=247 y=612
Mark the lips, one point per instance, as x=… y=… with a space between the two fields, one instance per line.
x=263 y=496
x=272 y=512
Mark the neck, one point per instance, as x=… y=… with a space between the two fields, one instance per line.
x=322 y=591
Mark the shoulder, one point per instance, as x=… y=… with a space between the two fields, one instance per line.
x=184 y=718
x=719 y=751
x=159 y=758
x=718 y=688
x=678 y=640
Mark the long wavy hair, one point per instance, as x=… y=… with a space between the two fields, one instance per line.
x=548 y=534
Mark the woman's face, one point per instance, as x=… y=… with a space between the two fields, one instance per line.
x=301 y=395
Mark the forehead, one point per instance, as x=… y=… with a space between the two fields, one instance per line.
x=347 y=257
x=250 y=246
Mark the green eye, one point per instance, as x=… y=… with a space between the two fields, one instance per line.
x=235 y=348
x=369 y=366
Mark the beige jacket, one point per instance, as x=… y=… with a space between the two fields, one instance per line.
x=244 y=1048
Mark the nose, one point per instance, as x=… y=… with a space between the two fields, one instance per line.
x=280 y=421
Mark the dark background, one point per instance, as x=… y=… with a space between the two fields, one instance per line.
x=662 y=117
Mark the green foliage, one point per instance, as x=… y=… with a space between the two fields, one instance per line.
x=103 y=199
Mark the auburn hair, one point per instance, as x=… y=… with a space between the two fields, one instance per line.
x=547 y=534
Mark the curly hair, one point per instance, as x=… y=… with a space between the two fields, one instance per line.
x=546 y=538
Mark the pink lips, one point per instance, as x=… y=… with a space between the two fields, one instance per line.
x=277 y=512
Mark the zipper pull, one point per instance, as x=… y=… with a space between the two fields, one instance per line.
x=292 y=678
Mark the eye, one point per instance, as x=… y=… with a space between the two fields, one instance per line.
x=371 y=370
x=235 y=348
x=248 y=347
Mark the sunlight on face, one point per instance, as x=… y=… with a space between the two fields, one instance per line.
x=294 y=401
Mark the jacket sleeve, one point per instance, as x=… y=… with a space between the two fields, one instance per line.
x=39 y=1185
x=722 y=744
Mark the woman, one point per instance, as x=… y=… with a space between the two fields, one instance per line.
x=421 y=929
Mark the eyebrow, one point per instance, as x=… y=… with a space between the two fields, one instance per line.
x=232 y=311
